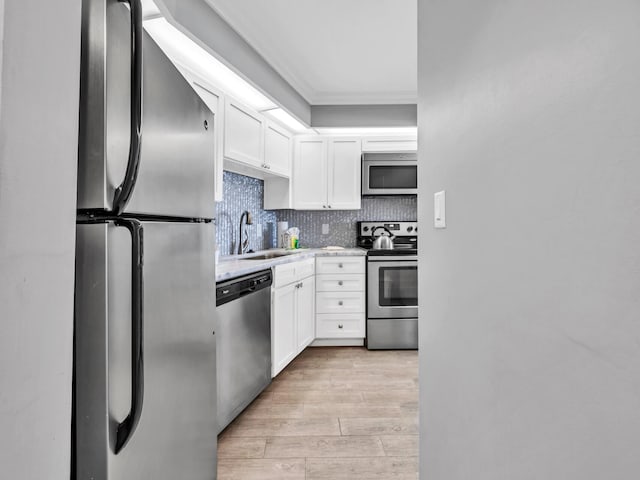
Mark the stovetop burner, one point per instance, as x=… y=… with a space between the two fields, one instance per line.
x=405 y=237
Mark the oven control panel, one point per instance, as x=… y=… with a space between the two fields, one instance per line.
x=398 y=229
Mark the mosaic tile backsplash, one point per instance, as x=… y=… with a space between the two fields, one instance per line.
x=243 y=193
x=342 y=223
x=246 y=193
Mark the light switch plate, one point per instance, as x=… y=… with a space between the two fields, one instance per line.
x=439 y=210
x=325 y=229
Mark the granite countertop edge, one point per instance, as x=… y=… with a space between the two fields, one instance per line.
x=233 y=266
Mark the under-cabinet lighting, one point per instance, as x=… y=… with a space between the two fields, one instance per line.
x=182 y=49
x=381 y=131
x=288 y=120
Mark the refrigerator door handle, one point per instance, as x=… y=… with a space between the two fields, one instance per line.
x=124 y=191
x=127 y=427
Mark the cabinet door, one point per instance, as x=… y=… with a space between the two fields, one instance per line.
x=306 y=312
x=310 y=174
x=277 y=150
x=215 y=101
x=345 y=177
x=243 y=134
x=283 y=327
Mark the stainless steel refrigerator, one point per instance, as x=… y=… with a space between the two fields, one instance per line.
x=144 y=358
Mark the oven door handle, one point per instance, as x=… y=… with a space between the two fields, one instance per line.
x=400 y=260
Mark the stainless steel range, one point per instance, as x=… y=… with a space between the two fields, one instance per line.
x=392 y=285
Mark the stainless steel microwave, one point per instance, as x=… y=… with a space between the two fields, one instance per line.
x=390 y=173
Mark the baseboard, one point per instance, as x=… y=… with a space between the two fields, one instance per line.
x=338 y=342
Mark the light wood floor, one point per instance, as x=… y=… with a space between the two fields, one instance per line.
x=333 y=414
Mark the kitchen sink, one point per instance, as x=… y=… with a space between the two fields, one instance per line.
x=267 y=256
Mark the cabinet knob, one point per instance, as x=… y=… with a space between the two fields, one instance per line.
x=340 y=283
x=324 y=206
x=340 y=303
x=329 y=206
x=340 y=325
x=340 y=265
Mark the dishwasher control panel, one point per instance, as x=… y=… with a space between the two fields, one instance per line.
x=230 y=290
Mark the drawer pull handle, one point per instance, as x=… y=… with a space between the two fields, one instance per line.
x=340 y=325
x=340 y=302
x=340 y=283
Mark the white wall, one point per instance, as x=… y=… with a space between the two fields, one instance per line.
x=38 y=156
x=529 y=118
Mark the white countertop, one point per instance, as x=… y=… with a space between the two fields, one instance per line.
x=236 y=265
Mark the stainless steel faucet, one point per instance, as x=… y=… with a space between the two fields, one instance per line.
x=243 y=243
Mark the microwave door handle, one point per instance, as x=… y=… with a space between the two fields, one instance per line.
x=124 y=191
x=126 y=428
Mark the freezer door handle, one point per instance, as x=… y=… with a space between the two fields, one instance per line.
x=127 y=427
x=124 y=191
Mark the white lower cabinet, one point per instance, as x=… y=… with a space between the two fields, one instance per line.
x=283 y=327
x=340 y=297
x=333 y=325
x=292 y=312
x=306 y=313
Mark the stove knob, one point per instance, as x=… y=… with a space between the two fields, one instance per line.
x=416 y=229
x=409 y=229
x=366 y=229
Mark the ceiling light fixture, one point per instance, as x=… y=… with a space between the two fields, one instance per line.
x=381 y=131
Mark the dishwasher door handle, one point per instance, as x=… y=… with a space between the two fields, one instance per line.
x=247 y=292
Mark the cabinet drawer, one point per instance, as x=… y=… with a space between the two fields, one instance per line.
x=351 y=282
x=340 y=302
x=291 y=272
x=305 y=268
x=349 y=325
x=340 y=264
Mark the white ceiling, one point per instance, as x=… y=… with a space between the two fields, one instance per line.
x=334 y=51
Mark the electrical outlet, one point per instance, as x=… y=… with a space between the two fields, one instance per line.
x=325 y=229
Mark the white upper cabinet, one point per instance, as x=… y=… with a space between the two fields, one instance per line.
x=390 y=144
x=310 y=173
x=345 y=174
x=214 y=99
x=278 y=147
x=243 y=134
x=326 y=173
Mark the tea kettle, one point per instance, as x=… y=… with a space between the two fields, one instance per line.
x=382 y=242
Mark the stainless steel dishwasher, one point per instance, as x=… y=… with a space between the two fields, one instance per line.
x=243 y=342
